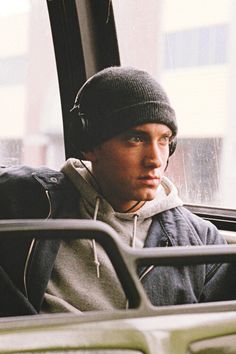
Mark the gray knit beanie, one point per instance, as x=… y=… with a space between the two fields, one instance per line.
x=118 y=98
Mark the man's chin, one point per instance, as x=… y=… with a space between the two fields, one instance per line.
x=148 y=197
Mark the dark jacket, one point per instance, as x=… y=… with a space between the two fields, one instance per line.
x=26 y=266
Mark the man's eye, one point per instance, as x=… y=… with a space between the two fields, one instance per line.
x=135 y=139
x=165 y=139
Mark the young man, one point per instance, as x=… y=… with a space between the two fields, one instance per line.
x=124 y=131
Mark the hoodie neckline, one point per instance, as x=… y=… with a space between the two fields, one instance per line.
x=166 y=195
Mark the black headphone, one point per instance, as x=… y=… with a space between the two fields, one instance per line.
x=172 y=146
x=79 y=128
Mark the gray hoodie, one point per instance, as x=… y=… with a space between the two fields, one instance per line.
x=83 y=278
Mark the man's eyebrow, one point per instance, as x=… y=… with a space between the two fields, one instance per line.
x=135 y=130
x=168 y=131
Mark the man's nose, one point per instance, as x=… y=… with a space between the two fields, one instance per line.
x=153 y=157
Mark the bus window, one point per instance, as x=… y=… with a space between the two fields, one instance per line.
x=192 y=53
x=30 y=114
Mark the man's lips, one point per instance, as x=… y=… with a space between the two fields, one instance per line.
x=149 y=180
x=149 y=177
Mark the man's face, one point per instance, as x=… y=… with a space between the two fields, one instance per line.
x=130 y=166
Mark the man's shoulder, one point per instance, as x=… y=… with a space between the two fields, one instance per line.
x=182 y=223
x=21 y=175
x=181 y=212
x=22 y=190
x=24 y=171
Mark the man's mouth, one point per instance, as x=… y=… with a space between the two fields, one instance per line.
x=150 y=177
x=151 y=180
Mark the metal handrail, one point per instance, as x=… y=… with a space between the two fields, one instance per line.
x=124 y=259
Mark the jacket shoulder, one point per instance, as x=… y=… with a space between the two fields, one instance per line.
x=184 y=228
x=21 y=195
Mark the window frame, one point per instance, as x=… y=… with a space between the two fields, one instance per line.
x=85 y=42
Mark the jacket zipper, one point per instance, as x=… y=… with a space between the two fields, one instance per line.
x=32 y=246
x=142 y=276
x=151 y=267
x=212 y=272
x=148 y=270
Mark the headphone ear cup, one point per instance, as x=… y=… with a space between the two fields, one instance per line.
x=172 y=147
x=78 y=135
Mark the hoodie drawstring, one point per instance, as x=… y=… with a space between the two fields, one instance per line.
x=132 y=244
x=94 y=247
x=133 y=237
